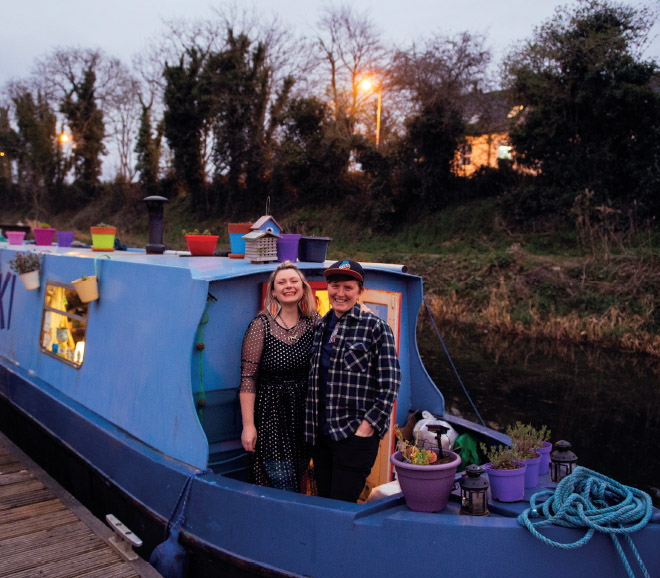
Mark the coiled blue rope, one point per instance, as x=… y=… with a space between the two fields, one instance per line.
x=451 y=362
x=587 y=499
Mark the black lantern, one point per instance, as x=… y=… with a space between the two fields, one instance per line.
x=474 y=490
x=155 y=209
x=562 y=461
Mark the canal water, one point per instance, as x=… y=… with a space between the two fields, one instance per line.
x=605 y=403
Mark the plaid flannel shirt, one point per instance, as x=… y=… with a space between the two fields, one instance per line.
x=363 y=379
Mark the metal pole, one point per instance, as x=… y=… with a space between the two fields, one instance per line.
x=378 y=121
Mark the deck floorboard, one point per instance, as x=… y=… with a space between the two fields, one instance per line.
x=44 y=532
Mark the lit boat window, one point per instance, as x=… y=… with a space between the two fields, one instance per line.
x=63 y=324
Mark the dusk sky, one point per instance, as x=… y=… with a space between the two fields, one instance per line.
x=122 y=28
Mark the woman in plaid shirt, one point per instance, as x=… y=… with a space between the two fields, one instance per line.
x=353 y=382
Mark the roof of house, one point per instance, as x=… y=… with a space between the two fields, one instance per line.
x=490 y=112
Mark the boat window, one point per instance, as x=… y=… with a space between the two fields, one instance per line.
x=63 y=324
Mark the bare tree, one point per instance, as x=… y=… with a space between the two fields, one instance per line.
x=61 y=72
x=442 y=67
x=349 y=49
x=123 y=114
x=86 y=86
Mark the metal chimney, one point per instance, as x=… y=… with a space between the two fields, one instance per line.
x=155 y=208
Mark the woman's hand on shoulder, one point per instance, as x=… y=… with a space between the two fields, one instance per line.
x=365 y=309
x=249 y=438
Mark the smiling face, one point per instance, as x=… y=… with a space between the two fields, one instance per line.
x=287 y=286
x=343 y=295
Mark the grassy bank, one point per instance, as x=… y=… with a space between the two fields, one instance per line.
x=558 y=281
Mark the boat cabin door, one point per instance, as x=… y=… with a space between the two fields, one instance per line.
x=387 y=305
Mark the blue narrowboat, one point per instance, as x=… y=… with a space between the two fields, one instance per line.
x=130 y=401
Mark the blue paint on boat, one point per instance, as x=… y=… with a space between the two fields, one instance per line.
x=127 y=419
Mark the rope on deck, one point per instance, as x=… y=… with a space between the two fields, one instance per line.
x=587 y=499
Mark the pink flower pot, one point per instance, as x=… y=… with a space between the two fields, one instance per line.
x=44 y=236
x=15 y=237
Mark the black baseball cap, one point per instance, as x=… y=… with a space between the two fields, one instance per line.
x=347 y=269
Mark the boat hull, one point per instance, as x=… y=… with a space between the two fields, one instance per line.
x=236 y=529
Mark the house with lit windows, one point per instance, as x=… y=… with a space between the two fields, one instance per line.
x=488 y=117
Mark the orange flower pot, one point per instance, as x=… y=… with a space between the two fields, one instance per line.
x=103 y=238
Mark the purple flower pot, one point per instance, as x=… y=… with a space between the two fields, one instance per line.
x=426 y=488
x=64 y=238
x=44 y=236
x=532 y=471
x=544 y=466
x=507 y=485
x=287 y=247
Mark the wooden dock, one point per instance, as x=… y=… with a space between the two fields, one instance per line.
x=45 y=532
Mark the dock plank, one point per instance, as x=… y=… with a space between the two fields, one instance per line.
x=42 y=535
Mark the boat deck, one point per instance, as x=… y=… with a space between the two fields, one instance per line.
x=44 y=531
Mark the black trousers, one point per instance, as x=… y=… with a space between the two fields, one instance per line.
x=342 y=467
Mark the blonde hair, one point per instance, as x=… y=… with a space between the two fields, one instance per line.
x=307 y=304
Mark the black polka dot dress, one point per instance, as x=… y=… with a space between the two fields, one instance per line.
x=275 y=366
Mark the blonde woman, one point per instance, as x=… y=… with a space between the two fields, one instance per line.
x=274 y=373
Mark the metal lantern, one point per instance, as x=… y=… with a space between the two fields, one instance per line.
x=562 y=461
x=474 y=492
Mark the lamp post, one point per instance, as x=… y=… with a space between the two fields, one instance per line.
x=367 y=84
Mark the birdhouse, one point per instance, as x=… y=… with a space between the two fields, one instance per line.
x=265 y=223
x=261 y=246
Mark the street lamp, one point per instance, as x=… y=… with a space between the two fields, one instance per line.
x=368 y=85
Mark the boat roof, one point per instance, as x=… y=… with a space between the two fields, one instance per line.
x=212 y=268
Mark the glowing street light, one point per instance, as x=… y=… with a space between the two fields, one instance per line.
x=367 y=84
x=65 y=138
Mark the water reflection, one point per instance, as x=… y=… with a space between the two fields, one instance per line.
x=606 y=404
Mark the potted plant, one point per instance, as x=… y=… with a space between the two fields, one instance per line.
x=103 y=237
x=26 y=266
x=201 y=245
x=544 y=448
x=426 y=478
x=87 y=288
x=528 y=441
x=43 y=234
x=506 y=473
